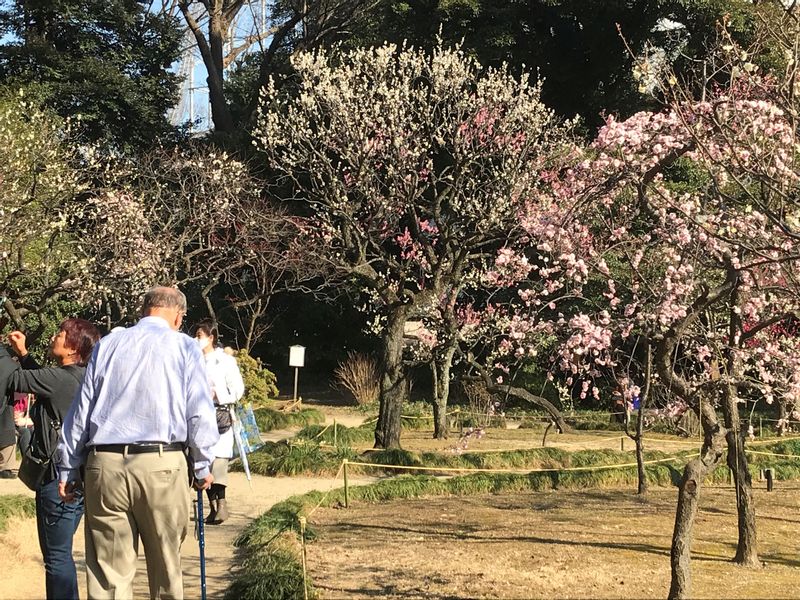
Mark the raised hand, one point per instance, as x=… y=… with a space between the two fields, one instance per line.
x=17 y=341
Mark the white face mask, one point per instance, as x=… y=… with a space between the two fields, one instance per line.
x=203 y=342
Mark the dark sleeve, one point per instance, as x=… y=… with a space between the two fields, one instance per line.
x=28 y=362
x=7 y=369
x=42 y=382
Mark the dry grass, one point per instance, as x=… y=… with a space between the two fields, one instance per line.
x=563 y=544
x=358 y=374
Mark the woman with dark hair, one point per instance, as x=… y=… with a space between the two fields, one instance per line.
x=55 y=388
x=227 y=388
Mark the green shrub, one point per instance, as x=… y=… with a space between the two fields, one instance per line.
x=269 y=419
x=15 y=505
x=288 y=458
x=273 y=572
x=260 y=384
x=338 y=435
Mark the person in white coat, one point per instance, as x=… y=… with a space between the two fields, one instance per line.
x=227 y=388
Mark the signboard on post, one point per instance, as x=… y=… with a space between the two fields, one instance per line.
x=297 y=358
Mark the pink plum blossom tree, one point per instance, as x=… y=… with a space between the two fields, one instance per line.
x=688 y=218
x=700 y=200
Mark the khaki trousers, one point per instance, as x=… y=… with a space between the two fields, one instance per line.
x=8 y=458
x=128 y=497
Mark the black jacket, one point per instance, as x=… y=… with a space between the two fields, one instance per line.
x=8 y=433
x=55 y=389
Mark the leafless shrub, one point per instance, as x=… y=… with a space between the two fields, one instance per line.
x=481 y=402
x=359 y=374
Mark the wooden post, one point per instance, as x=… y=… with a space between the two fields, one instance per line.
x=303 y=543
x=335 y=436
x=622 y=444
x=760 y=427
x=346 y=489
x=730 y=476
x=768 y=474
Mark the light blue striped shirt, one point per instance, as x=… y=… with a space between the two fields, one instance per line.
x=146 y=383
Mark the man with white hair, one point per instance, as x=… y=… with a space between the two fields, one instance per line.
x=144 y=401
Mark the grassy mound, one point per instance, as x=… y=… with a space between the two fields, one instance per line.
x=15 y=505
x=339 y=435
x=292 y=458
x=280 y=557
x=269 y=419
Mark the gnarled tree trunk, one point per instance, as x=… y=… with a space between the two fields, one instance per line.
x=695 y=472
x=747 y=545
x=522 y=394
x=394 y=384
x=538 y=401
x=440 y=368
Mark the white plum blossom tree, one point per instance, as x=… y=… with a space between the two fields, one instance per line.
x=414 y=167
x=44 y=259
x=194 y=217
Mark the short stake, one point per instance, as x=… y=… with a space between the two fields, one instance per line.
x=346 y=488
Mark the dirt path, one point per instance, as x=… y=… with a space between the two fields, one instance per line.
x=23 y=577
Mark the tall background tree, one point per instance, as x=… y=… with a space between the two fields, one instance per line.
x=292 y=25
x=106 y=61
x=584 y=50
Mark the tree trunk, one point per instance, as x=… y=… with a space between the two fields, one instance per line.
x=747 y=545
x=711 y=455
x=783 y=417
x=639 y=437
x=217 y=34
x=393 y=382
x=211 y=51
x=440 y=369
x=642 y=489
x=538 y=401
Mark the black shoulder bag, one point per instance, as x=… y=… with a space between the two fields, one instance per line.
x=37 y=463
x=35 y=466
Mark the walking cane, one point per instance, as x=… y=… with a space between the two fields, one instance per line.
x=201 y=536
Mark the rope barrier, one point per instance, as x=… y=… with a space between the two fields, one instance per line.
x=319 y=435
x=330 y=489
x=774 y=440
x=479 y=470
x=772 y=454
x=598 y=439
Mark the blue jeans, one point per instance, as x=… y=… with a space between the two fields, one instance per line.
x=57 y=522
